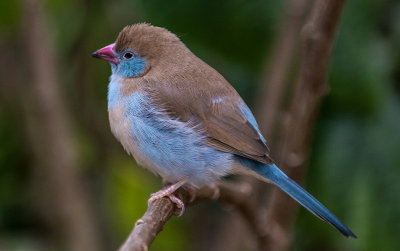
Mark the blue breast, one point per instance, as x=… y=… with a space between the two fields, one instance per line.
x=175 y=150
x=114 y=92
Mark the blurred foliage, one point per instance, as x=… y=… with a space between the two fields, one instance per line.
x=354 y=166
x=355 y=161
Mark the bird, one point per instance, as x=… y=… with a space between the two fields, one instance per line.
x=181 y=119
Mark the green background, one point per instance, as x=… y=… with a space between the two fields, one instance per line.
x=354 y=166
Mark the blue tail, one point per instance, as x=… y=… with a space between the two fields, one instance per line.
x=276 y=176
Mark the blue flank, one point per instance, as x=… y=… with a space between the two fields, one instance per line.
x=276 y=176
x=175 y=148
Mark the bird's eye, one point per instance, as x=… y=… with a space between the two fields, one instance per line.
x=128 y=55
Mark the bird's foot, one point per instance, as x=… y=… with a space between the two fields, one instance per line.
x=192 y=193
x=164 y=182
x=178 y=202
x=169 y=192
x=216 y=191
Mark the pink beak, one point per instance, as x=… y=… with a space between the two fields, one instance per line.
x=107 y=53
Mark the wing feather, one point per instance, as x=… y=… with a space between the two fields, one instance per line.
x=223 y=123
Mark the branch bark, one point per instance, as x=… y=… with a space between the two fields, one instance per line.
x=276 y=76
x=318 y=36
x=159 y=212
x=270 y=102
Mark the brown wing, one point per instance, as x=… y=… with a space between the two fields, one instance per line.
x=216 y=112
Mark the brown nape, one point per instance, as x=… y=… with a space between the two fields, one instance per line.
x=145 y=39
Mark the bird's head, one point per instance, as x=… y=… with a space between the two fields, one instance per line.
x=141 y=47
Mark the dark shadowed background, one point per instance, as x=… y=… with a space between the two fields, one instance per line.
x=66 y=183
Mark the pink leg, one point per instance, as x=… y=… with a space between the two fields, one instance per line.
x=178 y=202
x=192 y=193
x=216 y=191
x=169 y=192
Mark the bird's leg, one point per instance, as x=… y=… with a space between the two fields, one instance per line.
x=164 y=182
x=216 y=191
x=169 y=192
x=192 y=193
x=178 y=202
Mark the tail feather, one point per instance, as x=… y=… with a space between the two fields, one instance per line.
x=276 y=176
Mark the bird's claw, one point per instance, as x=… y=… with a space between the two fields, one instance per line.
x=216 y=191
x=169 y=192
x=192 y=193
x=178 y=202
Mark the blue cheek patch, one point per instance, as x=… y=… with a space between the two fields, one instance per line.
x=131 y=68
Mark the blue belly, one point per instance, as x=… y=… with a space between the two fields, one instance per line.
x=173 y=149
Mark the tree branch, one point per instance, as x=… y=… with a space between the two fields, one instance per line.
x=318 y=36
x=270 y=103
x=159 y=212
x=277 y=74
